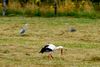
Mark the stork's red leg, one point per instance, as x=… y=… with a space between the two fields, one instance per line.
x=50 y=56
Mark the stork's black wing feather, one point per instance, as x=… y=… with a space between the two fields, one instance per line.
x=43 y=49
x=45 y=46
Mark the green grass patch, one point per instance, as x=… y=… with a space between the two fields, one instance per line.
x=81 y=48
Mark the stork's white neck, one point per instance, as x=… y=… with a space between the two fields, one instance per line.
x=59 y=47
x=53 y=47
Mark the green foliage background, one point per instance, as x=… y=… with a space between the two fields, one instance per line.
x=45 y=8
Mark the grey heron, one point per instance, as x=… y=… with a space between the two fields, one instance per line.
x=72 y=29
x=23 y=29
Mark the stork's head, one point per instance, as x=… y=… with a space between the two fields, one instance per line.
x=61 y=48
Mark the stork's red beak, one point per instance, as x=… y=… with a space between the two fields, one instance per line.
x=61 y=51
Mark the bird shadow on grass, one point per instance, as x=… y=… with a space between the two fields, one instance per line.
x=6 y=51
x=24 y=35
x=55 y=58
x=92 y=59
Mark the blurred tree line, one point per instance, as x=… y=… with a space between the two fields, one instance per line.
x=53 y=5
x=23 y=2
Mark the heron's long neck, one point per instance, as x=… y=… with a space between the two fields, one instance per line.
x=24 y=27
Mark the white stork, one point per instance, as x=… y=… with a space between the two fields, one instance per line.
x=50 y=48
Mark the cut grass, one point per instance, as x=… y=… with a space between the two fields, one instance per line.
x=80 y=47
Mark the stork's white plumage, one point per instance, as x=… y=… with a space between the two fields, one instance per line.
x=50 y=48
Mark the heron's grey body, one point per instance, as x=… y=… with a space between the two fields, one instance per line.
x=71 y=29
x=23 y=29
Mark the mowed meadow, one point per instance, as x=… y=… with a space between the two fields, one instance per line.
x=81 y=48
